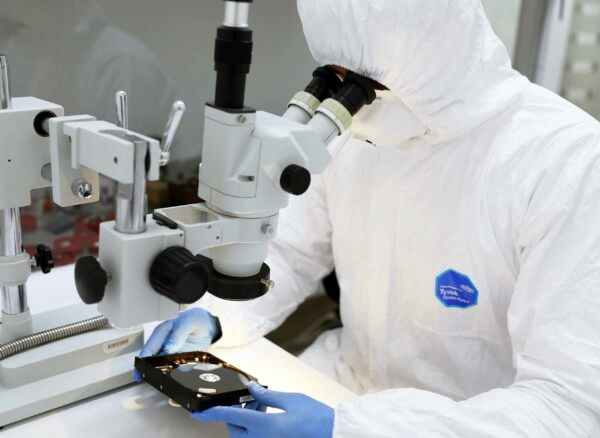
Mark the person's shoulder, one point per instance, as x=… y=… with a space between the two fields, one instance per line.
x=545 y=128
x=543 y=141
x=555 y=122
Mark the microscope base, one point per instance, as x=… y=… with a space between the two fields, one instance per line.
x=66 y=371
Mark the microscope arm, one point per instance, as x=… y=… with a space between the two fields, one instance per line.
x=82 y=148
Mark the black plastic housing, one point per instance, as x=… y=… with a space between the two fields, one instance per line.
x=90 y=279
x=237 y=288
x=325 y=83
x=178 y=275
x=357 y=92
x=233 y=58
x=157 y=370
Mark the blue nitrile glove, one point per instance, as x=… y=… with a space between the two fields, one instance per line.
x=304 y=417
x=193 y=330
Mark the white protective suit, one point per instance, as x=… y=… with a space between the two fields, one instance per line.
x=468 y=259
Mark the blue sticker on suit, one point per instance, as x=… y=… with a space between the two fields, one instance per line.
x=454 y=289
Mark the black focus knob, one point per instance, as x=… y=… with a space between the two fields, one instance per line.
x=295 y=180
x=90 y=279
x=44 y=259
x=179 y=275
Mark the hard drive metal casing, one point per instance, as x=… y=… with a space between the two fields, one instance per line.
x=166 y=373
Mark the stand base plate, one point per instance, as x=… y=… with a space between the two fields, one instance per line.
x=69 y=370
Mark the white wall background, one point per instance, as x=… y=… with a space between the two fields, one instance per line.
x=182 y=32
x=504 y=16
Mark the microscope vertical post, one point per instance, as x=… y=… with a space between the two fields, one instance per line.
x=131 y=199
x=5 y=98
x=14 y=298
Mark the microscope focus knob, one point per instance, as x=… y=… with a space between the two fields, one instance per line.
x=90 y=279
x=179 y=275
x=295 y=180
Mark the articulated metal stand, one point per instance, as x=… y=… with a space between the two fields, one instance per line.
x=65 y=371
x=68 y=370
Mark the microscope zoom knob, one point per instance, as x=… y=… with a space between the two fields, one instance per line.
x=90 y=279
x=179 y=275
x=295 y=180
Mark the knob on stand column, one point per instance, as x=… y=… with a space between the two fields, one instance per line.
x=90 y=279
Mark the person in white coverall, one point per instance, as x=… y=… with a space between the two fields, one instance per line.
x=465 y=234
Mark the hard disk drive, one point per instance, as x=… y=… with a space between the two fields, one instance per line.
x=197 y=380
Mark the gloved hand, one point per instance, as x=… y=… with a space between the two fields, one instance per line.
x=303 y=416
x=193 y=330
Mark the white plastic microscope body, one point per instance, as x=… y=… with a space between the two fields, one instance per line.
x=243 y=159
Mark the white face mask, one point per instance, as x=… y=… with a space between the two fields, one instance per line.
x=386 y=122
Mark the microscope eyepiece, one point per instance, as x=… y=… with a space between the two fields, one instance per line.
x=233 y=56
x=334 y=115
x=325 y=83
x=357 y=92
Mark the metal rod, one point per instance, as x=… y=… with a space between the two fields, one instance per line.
x=177 y=112
x=14 y=298
x=236 y=14
x=46 y=125
x=47 y=172
x=5 y=97
x=131 y=199
x=122 y=110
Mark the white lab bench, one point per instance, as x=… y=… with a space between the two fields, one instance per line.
x=140 y=410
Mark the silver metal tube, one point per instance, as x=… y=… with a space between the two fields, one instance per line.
x=177 y=112
x=236 y=14
x=131 y=199
x=122 y=110
x=10 y=232
x=14 y=298
x=5 y=97
x=47 y=172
